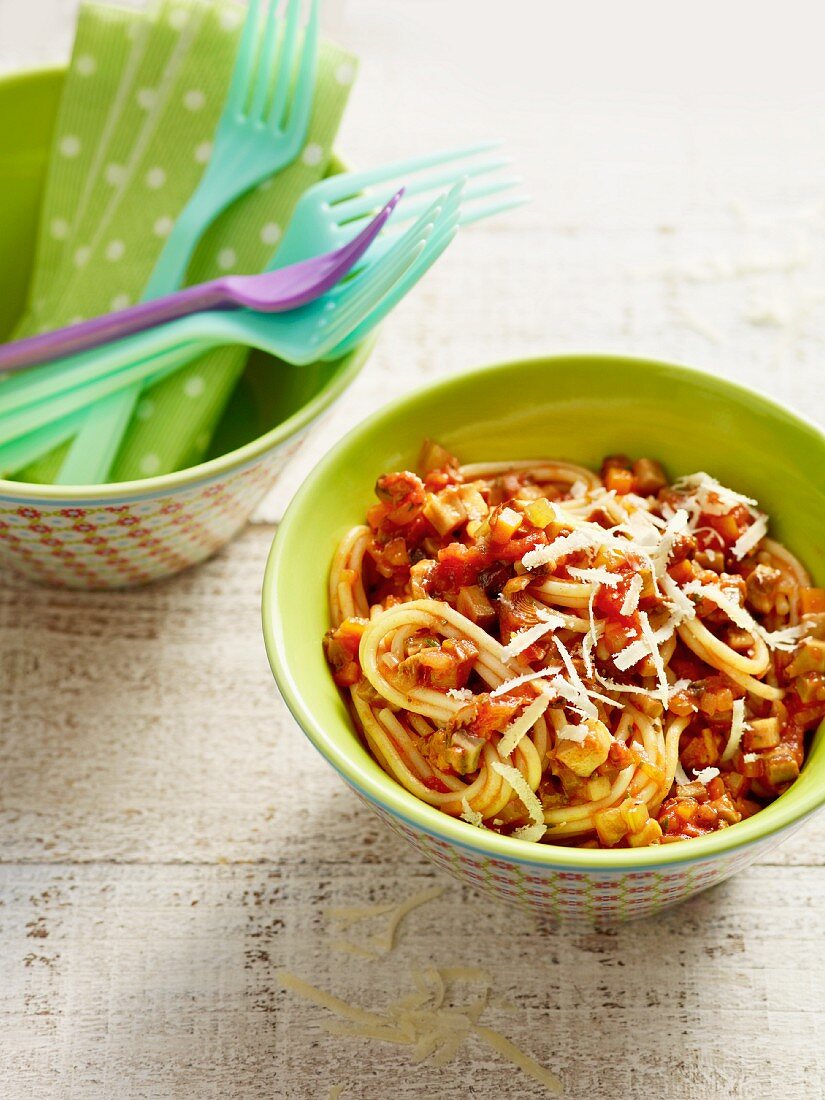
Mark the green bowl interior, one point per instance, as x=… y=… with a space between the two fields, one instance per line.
x=269 y=392
x=579 y=408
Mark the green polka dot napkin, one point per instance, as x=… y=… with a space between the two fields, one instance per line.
x=142 y=98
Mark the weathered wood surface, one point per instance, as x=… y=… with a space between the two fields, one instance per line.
x=156 y=865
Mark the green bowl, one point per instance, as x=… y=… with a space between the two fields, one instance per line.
x=88 y=537
x=578 y=408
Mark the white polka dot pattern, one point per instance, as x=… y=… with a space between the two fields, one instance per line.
x=271 y=233
x=69 y=146
x=85 y=65
x=150 y=464
x=163 y=226
x=194 y=99
x=155 y=178
x=312 y=154
x=194 y=386
x=115 y=174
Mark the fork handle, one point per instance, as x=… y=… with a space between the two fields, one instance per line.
x=171 y=266
x=112 y=326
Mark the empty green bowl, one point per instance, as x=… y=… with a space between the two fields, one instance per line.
x=578 y=408
x=102 y=536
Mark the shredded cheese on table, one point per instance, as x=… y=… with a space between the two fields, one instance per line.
x=422 y=1021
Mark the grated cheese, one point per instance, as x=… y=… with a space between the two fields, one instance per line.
x=751 y=757
x=706 y=774
x=580 y=539
x=679 y=775
x=676 y=525
x=597 y=575
x=737 y=728
x=680 y=604
x=631 y=599
x=422 y=1022
x=524 y=638
x=523 y=724
x=471 y=816
x=387 y=940
x=573 y=733
x=524 y=1062
x=508 y=685
x=777 y=639
x=703 y=484
x=528 y=797
x=658 y=663
x=463 y=695
x=750 y=537
x=627 y=657
x=574 y=690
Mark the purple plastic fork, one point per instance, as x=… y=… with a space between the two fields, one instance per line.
x=271 y=292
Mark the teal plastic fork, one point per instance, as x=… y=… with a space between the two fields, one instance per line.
x=262 y=129
x=303 y=336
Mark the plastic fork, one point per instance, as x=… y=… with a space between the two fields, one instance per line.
x=270 y=292
x=262 y=129
x=334 y=209
x=302 y=336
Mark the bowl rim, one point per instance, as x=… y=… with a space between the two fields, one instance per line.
x=32 y=492
x=388 y=795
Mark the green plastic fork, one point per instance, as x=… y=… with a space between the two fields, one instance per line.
x=262 y=129
x=313 y=332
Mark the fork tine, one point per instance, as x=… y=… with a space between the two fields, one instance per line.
x=244 y=68
x=362 y=204
x=438 y=242
x=359 y=293
x=387 y=273
x=285 y=62
x=412 y=207
x=487 y=210
x=301 y=108
x=348 y=184
x=265 y=62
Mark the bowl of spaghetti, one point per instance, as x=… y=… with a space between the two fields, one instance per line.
x=571 y=644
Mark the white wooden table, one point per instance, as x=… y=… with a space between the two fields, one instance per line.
x=169 y=841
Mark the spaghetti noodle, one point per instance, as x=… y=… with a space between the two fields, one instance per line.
x=601 y=660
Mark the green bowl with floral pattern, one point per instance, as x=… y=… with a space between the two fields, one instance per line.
x=578 y=408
